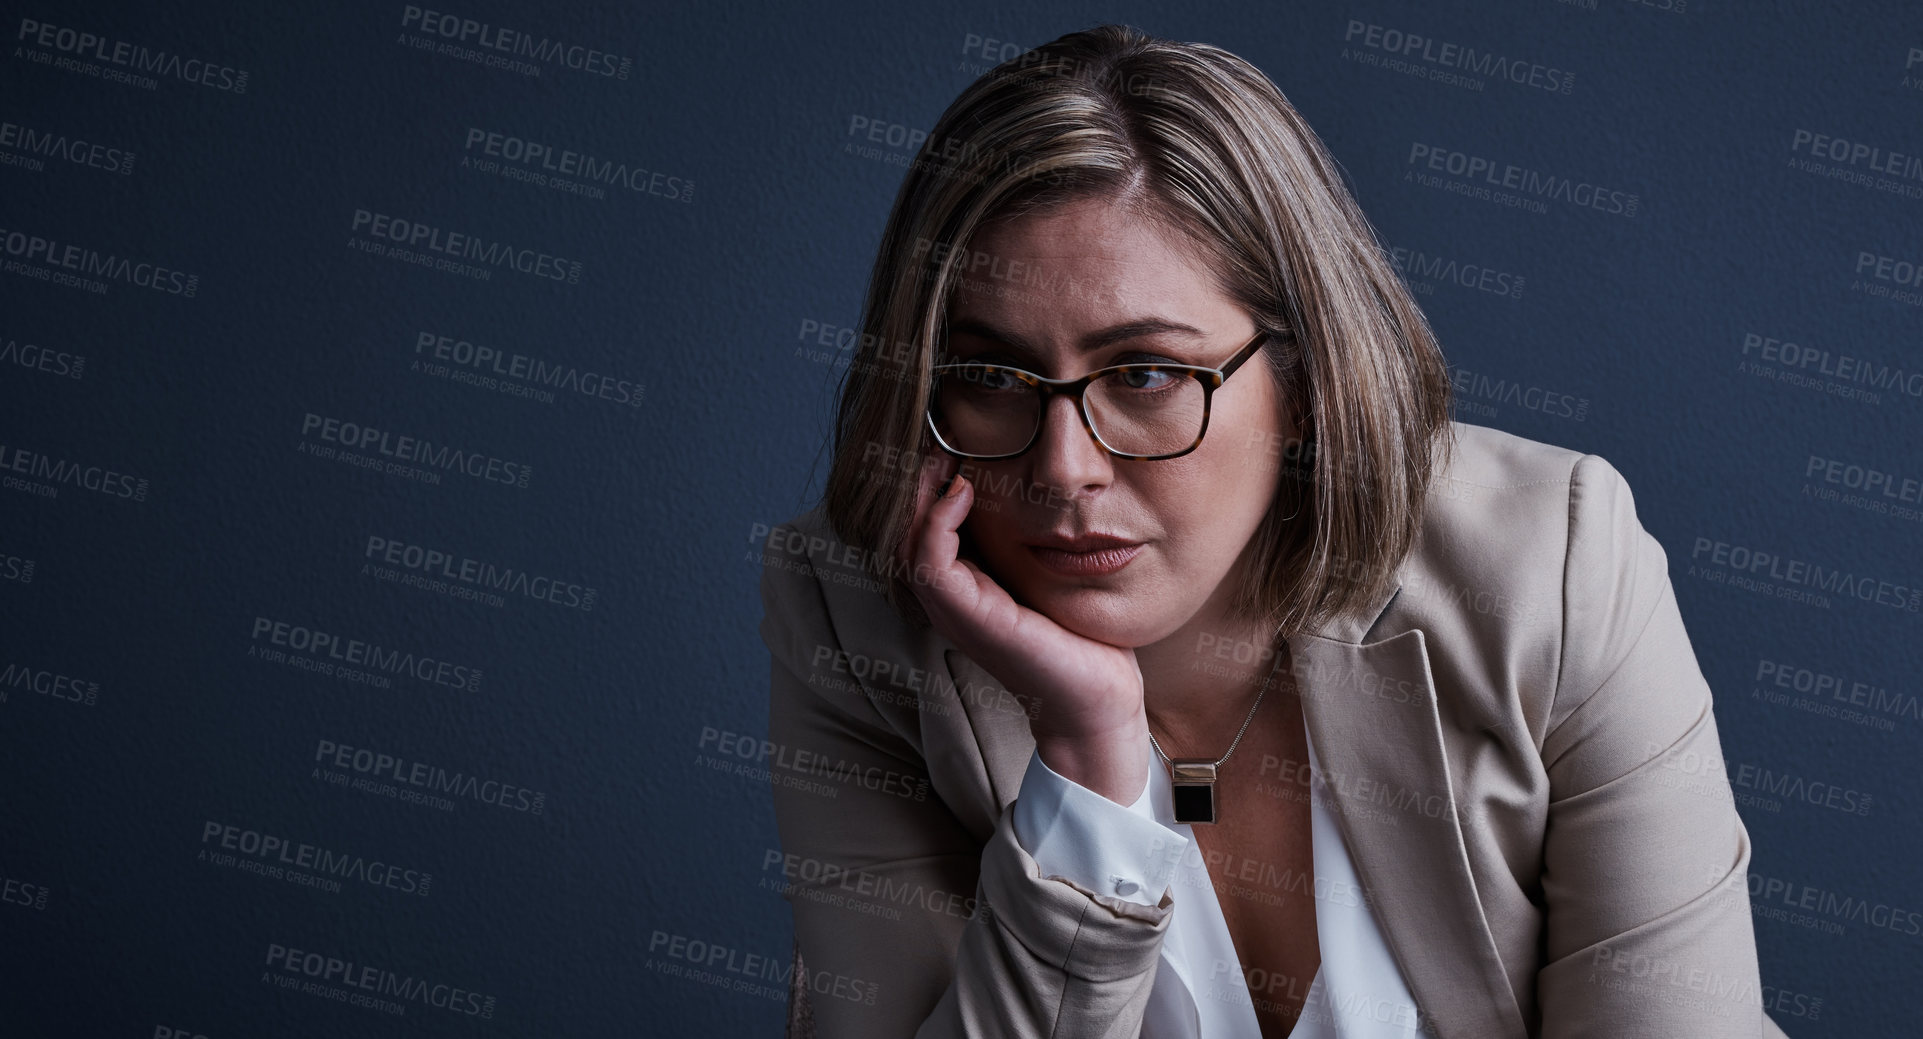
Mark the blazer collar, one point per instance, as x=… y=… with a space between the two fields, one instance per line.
x=1371 y=710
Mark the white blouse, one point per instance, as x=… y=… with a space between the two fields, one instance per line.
x=1200 y=989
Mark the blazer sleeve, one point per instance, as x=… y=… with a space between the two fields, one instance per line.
x=1645 y=869
x=907 y=924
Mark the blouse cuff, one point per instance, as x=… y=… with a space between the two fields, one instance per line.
x=1073 y=832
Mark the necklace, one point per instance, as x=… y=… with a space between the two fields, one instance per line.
x=1192 y=780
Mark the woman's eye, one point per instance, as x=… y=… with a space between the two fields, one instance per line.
x=1146 y=380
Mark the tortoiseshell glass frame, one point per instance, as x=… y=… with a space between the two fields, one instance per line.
x=1210 y=378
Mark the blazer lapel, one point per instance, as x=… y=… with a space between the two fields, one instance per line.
x=1371 y=710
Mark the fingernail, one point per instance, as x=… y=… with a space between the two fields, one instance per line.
x=945 y=485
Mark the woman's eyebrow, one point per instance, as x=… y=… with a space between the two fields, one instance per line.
x=1135 y=328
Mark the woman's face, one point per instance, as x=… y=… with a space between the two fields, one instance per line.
x=1040 y=291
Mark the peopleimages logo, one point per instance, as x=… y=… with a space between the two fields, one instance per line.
x=1838 y=367
x=48 y=683
x=1836 y=696
x=14 y=891
x=1857 y=153
x=540 y=160
x=1417 y=265
x=494 y=41
x=459 y=247
x=403 y=448
x=1481 y=175
x=515 y=373
x=37 y=358
x=84 y=47
x=1472 y=388
x=1460 y=58
x=35 y=466
x=275 y=641
x=431 y=562
x=16 y=568
x=375 y=766
x=28 y=147
x=1800 y=576
x=84 y=267
x=224 y=844
x=324 y=972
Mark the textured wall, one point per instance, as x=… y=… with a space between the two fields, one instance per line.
x=304 y=344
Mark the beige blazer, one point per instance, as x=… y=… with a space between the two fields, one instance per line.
x=1520 y=742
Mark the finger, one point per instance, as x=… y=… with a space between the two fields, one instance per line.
x=938 y=473
x=940 y=528
x=905 y=552
x=936 y=554
x=929 y=478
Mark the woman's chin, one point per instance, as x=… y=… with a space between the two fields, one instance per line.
x=1104 y=615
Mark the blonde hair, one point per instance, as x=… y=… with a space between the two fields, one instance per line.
x=1201 y=141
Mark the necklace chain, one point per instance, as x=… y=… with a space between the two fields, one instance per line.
x=1261 y=692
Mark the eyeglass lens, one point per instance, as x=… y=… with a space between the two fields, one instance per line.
x=986 y=410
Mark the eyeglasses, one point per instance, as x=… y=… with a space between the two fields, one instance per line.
x=1141 y=412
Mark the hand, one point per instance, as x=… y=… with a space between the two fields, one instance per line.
x=1091 y=727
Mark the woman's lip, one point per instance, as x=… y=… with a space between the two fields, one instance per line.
x=1085 y=564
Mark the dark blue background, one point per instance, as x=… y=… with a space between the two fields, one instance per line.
x=703 y=303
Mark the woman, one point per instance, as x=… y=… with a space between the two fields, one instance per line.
x=1163 y=660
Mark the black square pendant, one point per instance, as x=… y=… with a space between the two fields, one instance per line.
x=1192 y=782
x=1194 y=804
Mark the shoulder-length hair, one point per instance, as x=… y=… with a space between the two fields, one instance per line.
x=1201 y=141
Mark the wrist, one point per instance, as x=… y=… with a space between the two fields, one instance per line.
x=1113 y=764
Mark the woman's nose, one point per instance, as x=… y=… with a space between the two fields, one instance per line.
x=1066 y=454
